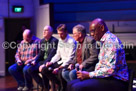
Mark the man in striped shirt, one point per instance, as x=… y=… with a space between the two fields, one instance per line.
x=26 y=53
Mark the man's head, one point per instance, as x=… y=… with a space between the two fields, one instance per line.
x=79 y=32
x=98 y=28
x=27 y=35
x=47 y=32
x=62 y=31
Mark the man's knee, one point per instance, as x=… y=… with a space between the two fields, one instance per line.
x=26 y=69
x=12 y=69
x=72 y=75
x=64 y=74
x=30 y=70
x=44 y=70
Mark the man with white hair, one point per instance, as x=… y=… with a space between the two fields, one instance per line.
x=48 y=46
x=64 y=55
x=86 y=55
x=26 y=53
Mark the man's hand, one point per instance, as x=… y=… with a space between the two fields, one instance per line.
x=71 y=67
x=55 y=71
x=81 y=67
x=48 y=64
x=33 y=62
x=41 y=67
x=27 y=61
x=83 y=75
x=19 y=62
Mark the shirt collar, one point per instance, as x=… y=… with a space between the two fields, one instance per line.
x=48 y=40
x=25 y=42
x=104 y=36
x=65 y=40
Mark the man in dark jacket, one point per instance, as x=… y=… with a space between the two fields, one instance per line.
x=86 y=53
x=48 y=47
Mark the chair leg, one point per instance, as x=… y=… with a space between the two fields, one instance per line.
x=52 y=86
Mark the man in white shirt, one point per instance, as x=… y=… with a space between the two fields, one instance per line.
x=65 y=54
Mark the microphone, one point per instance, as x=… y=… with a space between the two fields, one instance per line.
x=28 y=64
x=50 y=69
x=77 y=66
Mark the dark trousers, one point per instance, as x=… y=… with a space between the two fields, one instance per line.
x=55 y=79
x=34 y=71
x=97 y=84
x=21 y=74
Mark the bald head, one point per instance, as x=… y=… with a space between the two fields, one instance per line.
x=98 y=28
x=48 y=28
x=27 y=32
x=47 y=32
x=27 y=35
x=97 y=22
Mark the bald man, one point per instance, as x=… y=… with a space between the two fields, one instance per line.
x=26 y=53
x=111 y=72
x=48 y=47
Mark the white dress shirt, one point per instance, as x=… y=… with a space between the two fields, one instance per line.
x=66 y=51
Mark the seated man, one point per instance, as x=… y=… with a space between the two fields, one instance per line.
x=26 y=53
x=48 y=47
x=111 y=72
x=65 y=54
x=86 y=53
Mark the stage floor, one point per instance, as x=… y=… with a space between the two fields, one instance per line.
x=9 y=84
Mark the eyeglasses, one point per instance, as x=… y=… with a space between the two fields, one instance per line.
x=74 y=34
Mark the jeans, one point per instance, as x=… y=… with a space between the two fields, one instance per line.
x=69 y=75
x=21 y=75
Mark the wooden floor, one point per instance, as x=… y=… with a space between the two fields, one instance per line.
x=9 y=84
